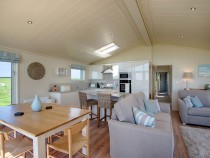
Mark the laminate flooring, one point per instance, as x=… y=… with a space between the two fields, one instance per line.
x=99 y=140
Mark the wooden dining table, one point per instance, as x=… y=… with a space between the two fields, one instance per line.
x=40 y=125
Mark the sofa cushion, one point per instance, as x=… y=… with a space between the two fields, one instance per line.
x=152 y=106
x=204 y=111
x=188 y=101
x=140 y=98
x=142 y=118
x=196 y=102
x=161 y=116
x=123 y=109
x=163 y=125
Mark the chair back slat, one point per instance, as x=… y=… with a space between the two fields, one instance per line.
x=6 y=136
x=78 y=127
x=83 y=99
x=104 y=100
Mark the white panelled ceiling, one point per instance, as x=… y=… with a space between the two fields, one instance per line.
x=167 y=20
x=72 y=29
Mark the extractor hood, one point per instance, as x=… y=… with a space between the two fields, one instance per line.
x=107 y=69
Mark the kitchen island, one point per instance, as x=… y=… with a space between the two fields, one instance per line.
x=116 y=95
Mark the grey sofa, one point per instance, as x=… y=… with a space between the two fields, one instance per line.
x=198 y=116
x=128 y=140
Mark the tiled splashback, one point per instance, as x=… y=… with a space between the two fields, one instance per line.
x=107 y=79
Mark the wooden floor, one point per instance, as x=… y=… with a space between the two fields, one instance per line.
x=99 y=140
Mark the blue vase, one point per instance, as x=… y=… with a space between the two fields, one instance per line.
x=36 y=105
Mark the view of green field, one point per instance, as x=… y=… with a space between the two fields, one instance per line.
x=5 y=91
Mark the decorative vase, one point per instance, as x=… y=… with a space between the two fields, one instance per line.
x=36 y=105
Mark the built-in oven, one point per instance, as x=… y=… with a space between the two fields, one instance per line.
x=125 y=76
x=125 y=86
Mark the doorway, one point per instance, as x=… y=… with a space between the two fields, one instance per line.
x=162 y=83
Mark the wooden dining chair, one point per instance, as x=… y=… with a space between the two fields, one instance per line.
x=72 y=141
x=11 y=133
x=105 y=102
x=86 y=103
x=14 y=147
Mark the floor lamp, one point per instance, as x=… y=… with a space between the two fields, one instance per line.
x=187 y=76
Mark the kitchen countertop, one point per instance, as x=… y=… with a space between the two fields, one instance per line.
x=89 y=89
x=114 y=93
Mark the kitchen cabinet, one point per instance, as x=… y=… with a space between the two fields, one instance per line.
x=125 y=67
x=115 y=68
x=66 y=98
x=141 y=77
x=95 y=72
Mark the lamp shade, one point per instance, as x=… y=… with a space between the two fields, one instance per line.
x=187 y=75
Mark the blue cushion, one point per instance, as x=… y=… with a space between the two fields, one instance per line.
x=151 y=106
x=188 y=101
x=142 y=118
x=196 y=102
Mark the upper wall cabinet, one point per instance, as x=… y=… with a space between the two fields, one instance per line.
x=95 y=72
x=125 y=67
x=115 y=68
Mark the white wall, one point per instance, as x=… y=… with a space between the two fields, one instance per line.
x=182 y=59
x=29 y=87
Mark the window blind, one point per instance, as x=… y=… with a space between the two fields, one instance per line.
x=9 y=57
x=78 y=67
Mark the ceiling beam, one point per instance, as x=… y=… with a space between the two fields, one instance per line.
x=134 y=11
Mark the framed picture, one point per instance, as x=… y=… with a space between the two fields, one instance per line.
x=204 y=70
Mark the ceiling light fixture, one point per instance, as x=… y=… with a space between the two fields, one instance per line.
x=106 y=49
x=193 y=8
x=182 y=36
x=29 y=22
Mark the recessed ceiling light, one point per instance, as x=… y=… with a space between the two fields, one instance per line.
x=29 y=22
x=182 y=36
x=193 y=8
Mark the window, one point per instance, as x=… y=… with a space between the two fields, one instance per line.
x=8 y=78
x=77 y=74
x=8 y=82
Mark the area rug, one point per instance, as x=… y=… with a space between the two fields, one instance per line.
x=197 y=141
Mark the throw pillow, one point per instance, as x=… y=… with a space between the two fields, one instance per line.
x=196 y=102
x=152 y=106
x=142 y=118
x=188 y=101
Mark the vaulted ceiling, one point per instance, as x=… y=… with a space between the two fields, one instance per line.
x=72 y=29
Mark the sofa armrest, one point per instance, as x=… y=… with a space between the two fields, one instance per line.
x=165 y=107
x=183 y=111
x=131 y=140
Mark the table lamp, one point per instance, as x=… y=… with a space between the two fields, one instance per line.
x=187 y=76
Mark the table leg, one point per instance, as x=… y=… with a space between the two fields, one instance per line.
x=39 y=147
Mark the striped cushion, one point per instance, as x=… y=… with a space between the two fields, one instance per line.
x=152 y=106
x=188 y=101
x=142 y=118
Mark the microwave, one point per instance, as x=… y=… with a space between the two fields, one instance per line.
x=125 y=76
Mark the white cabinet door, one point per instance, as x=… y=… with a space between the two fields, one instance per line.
x=140 y=78
x=95 y=72
x=125 y=67
x=68 y=98
x=115 y=68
